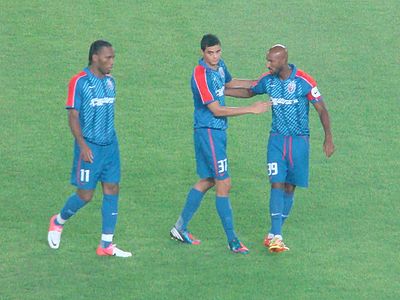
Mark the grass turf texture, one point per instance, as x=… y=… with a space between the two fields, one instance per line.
x=344 y=229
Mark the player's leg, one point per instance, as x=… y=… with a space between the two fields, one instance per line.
x=288 y=199
x=276 y=207
x=110 y=178
x=179 y=231
x=109 y=213
x=274 y=240
x=74 y=203
x=297 y=171
x=224 y=207
x=193 y=200
x=277 y=169
x=297 y=157
x=218 y=160
x=225 y=213
x=84 y=176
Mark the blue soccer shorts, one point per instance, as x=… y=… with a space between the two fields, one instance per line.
x=288 y=159
x=105 y=167
x=210 y=153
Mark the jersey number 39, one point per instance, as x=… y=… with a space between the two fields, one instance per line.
x=272 y=169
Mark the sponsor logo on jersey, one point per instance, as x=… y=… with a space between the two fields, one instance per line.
x=282 y=101
x=220 y=92
x=101 y=101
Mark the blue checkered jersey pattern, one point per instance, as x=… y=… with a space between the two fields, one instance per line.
x=94 y=98
x=208 y=85
x=290 y=100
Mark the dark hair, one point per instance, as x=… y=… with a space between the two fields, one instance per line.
x=209 y=40
x=95 y=48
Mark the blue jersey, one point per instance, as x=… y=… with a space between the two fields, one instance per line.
x=94 y=99
x=208 y=85
x=290 y=100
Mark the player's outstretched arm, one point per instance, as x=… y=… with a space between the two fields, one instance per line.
x=73 y=119
x=239 y=92
x=258 y=107
x=329 y=147
x=240 y=83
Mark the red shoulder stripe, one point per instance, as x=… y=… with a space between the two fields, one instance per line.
x=72 y=88
x=306 y=77
x=201 y=83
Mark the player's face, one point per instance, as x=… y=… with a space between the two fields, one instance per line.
x=103 y=61
x=212 y=55
x=275 y=62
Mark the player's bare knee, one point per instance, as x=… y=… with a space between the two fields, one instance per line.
x=223 y=187
x=110 y=188
x=85 y=195
x=210 y=183
x=278 y=185
x=203 y=185
x=289 y=188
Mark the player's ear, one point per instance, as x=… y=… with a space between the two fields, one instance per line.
x=95 y=58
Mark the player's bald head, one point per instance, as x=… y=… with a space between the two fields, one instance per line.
x=277 y=60
x=279 y=51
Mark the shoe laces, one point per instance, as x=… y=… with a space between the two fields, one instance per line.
x=236 y=245
x=189 y=235
x=277 y=241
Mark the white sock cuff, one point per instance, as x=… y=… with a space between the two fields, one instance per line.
x=60 y=220
x=107 y=237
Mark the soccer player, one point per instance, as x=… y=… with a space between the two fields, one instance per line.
x=90 y=105
x=291 y=91
x=209 y=79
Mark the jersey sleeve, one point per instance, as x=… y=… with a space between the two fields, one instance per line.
x=74 y=91
x=259 y=86
x=310 y=87
x=202 y=85
x=228 y=76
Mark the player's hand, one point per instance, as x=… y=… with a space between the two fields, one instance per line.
x=329 y=147
x=260 y=107
x=86 y=153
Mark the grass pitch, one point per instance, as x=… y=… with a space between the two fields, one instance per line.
x=344 y=229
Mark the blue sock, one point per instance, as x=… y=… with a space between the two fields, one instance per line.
x=71 y=207
x=287 y=205
x=109 y=211
x=224 y=210
x=193 y=201
x=275 y=210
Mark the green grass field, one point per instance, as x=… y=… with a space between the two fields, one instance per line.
x=343 y=231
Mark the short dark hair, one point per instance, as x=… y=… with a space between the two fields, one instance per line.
x=209 y=40
x=95 y=48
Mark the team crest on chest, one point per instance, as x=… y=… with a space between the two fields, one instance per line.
x=291 y=87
